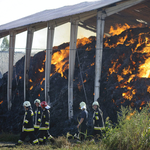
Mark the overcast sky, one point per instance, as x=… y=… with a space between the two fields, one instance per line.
x=15 y=9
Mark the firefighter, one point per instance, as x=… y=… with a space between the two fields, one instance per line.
x=37 y=116
x=44 y=127
x=82 y=125
x=98 y=122
x=28 y=129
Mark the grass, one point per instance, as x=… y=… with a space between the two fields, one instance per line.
x=8 y=137
x=130 y=133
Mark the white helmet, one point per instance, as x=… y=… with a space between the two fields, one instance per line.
x=37 y=101
x=26 y=104
x=83 y=105
x=95 y=103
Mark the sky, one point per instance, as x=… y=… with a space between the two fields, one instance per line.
x=15 y=9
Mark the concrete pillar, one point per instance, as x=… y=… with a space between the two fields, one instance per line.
x=30 y=33
x=72 y=56
x=10 y=67
x=99 y=52
x=50 y=37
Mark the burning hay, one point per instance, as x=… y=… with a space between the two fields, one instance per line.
x=124 y=80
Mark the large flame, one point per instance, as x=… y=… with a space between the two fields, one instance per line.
x=120 y=28
x=140 y=45
x=61 y=58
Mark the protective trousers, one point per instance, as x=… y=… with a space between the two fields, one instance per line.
x=83 y=132
x=43 y=135
x=24 y=134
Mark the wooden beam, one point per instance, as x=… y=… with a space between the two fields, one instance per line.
x=12 y=38
x=30 y=33
x=99 y=52
x=50 y=37
x=72 y=56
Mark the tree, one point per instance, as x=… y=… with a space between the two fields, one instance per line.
x=5 y=44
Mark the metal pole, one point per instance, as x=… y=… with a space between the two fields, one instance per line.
x=10 y=67
x=99 y=52
x=72 y=56
x=30 y=33
x=50 y=37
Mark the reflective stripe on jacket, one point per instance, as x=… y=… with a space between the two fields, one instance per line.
x=37 y=117
x=98 y=122
x=45 y=120
x=28 y=120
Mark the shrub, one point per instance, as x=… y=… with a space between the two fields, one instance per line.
x=131 y=132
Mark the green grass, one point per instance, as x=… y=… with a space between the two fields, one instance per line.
x=8 y=137
x=130 y=133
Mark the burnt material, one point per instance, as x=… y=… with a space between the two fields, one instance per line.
x=122 y=82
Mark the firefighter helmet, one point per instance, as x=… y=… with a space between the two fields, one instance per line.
x=43 y=104
x=95 y=103
x=37 y=101
x=83 y=105
x=26 y=104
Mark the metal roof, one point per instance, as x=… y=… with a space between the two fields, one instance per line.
x=64 y=14
x=53 y=14
x=132 y=16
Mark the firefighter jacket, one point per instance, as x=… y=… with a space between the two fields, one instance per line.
x=28 y=121
x=45 y=120
x=98 y=121
x=37 y=117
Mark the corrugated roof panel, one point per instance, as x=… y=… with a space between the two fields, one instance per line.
x=52 y=14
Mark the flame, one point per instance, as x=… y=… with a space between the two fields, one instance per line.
x=59 y=59
x=130 y=115
x=148 y=89
x=84 y=81
x=93 y=64
x=126 y=71
x=42 y=81
x=38 y=95
x=41 y=70
x=114 y=68
x=140 y=45
x=42 y=89
x=127 y=95
x=120 y=28
x=31 y=88
x=120 y=78
x=83 y=41
x=30 y=80
x=1 y=102
x=20 y=77
x=88 y=49
x=142 y=103
x=144 y=69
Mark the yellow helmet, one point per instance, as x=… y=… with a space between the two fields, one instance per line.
x=37 y=101
x=83 y=105
x=26 y=104
x=95 y=103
